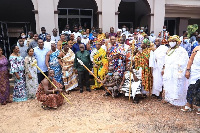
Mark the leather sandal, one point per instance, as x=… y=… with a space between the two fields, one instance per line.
x=187 y=109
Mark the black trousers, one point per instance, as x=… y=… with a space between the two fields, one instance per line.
x=83 y=78
x=41 y=76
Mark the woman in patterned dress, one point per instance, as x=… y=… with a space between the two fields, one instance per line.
x=31 y=74
x=52 y=62
x=4 y=82
x=17 y=69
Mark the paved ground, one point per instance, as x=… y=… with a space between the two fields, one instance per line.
x=94 y=113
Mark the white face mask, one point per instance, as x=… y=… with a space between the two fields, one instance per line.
x=172 y=44
x=123 y=29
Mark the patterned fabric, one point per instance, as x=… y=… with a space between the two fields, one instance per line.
x=54 y=64
x=4 y=82
x=101 y=61
x=17 y=65
x=50 y=100
x=193 y=93
x=118 y=55
x=100 y=37
x=31 y=84
x=135 y=86
x=142 y=60
x=69 y=76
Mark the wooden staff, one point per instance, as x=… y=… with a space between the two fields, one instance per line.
x=133 y=45
x=35 y=64
x=92 y=74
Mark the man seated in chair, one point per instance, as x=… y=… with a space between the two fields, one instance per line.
x=47 y=94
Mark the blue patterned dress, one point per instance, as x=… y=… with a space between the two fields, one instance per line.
x=54 y=64
x=17 y=65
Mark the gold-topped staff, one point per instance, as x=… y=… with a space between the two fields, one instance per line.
x=35 y=64
x=92 y=74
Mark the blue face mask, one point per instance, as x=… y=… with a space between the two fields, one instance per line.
x=138 y=30
x=110 y=74
x=164 y=29
x=141 y=30
x=84 y=36
x=66 y=74
x=185 y=41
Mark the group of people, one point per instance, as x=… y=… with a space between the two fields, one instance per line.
x=128 y=62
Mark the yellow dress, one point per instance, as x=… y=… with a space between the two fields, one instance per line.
x=101 y=61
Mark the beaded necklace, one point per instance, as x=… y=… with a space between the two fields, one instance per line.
x=171 y=52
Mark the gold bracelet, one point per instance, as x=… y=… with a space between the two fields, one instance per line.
x=53 y=91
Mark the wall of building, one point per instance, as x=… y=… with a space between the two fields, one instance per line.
x=108 y=13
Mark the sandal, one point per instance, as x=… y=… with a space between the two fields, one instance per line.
x=4 y=103
x=187 y=109
x=45 y=107
x=198 y=111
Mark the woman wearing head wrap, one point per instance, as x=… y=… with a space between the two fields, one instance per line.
x=142 y=60
x=174 y=81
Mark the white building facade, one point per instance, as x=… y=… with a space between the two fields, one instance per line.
x=175 y=14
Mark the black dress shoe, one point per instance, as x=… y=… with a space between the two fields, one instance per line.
x=81 y=91
x=88 y=89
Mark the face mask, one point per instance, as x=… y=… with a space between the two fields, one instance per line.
x=95 y=37
x=23 y=36
x=152 y=34
x=29 y=36
x=80 y=30
x=164 y=29
x=185 y=41
x=172 y=44
x=110 y=74
x=123 y=29
x=138 y=30
x=66 y=74
x=141 y=30
x=84 y=36
x=66 y=32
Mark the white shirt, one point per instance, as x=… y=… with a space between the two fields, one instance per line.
x=76 y=34
x=152 y=38
x=85 y=41
x=55 y=38
x=47 y=45
x=40 y=55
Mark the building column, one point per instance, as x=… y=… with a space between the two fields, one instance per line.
x=116 y=20
x=45 y=17
x=99 y=15
x=108 y=15
x=157 y=20
x=183 y=25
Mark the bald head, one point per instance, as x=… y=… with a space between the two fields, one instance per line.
x=81 y=47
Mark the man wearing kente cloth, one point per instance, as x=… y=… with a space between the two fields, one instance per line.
x=100 y=64
x=101 y=35
x=47 y=94
x=142 y=60
x=66 y=61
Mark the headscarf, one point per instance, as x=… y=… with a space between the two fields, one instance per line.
x=147 y=42
x=174 y=37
